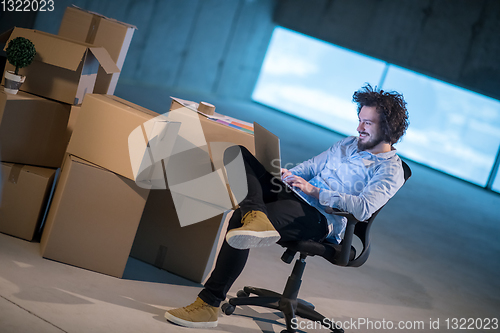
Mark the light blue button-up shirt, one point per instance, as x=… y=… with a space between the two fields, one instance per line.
x=355 y=181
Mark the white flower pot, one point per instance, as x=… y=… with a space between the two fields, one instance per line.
x=13 y=82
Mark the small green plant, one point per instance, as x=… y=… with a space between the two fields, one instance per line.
x=20 y=53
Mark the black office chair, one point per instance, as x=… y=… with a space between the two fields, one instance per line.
x=343 y=254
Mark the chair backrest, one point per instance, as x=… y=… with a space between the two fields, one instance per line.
x=362 y=229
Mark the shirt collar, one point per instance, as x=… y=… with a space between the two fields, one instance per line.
x=365 y=154
x=387 y=155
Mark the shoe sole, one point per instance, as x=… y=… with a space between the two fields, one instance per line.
x=246 y=239
x=193 y=324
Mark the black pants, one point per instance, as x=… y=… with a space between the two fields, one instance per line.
x=292 y=218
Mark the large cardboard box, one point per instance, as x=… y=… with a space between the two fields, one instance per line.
x=24 y=194
x=63 y=69
x=93 y=218
x=33 y=130
x=105 y=124
x=162 y=239
x=188 y=251
x=93 y=28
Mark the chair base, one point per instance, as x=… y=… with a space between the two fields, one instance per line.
x=289 y=307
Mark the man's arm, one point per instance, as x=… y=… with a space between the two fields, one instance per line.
x=300 y=175
x=310 y=168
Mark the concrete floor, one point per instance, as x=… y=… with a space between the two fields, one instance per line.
x=434 y=256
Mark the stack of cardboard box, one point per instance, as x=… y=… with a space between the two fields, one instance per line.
x=33 y=139
x=67 y=117
x=33 y=123
x=35 y=129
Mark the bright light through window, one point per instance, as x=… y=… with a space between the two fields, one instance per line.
x=314 y=80
x=451 y=129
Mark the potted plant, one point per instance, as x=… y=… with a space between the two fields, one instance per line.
x=20 y=53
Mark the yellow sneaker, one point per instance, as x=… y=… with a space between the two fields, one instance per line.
x=256 y=231
x=196 y=315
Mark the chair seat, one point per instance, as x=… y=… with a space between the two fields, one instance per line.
x=329 y=251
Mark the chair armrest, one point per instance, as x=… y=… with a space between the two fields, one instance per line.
x=348 y=235
x=347 y=242
x=336 y=211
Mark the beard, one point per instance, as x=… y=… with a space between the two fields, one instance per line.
x=369 y=144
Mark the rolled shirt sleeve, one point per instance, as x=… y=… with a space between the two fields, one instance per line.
x=312 y=167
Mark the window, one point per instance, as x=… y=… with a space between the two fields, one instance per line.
x=314 y=80
x=451 y=129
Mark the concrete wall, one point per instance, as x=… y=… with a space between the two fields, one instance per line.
x=207 y=46
x=457 y=41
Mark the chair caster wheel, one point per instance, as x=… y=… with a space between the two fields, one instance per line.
x=228 y=309
x=241 y=293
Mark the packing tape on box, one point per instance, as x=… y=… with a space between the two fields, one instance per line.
x=206 y=108
x=15 y=172
x=94 y=25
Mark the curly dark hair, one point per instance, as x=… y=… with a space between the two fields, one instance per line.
x=391 y=107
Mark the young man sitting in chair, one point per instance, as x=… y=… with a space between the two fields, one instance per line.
x=357 y=175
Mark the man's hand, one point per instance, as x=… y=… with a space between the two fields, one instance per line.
x=285 y=173
x=299 y=183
